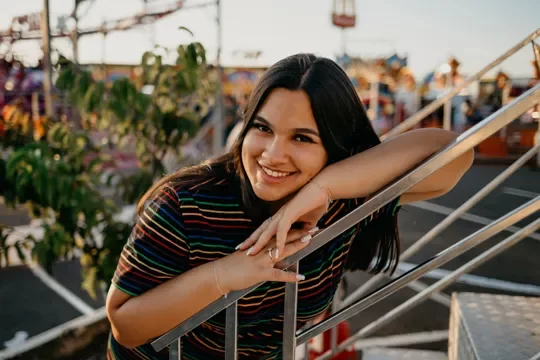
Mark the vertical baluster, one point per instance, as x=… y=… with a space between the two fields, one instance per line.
x=231 y=332
x=175 y=350
x=336 y=305
x=289 y=324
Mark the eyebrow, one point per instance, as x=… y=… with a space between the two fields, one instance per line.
x=298 y=130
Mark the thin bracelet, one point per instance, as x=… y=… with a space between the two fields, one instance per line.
x=325 y=189
x=217 y=282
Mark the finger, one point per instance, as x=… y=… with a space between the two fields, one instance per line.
x=302 y=236
x=284 y=276
x=264 y=239
x=294 y=247
x=281 y=231
x=254 y=236
x=265 y=236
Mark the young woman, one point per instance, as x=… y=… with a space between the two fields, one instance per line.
x=306 y=156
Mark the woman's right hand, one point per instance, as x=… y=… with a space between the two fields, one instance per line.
x=239 y=271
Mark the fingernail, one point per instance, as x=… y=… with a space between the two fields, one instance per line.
x=249 y=251
x=305 y=239
x=314 y=230
x=300 y=277
x=277 y=253
x=238 y=246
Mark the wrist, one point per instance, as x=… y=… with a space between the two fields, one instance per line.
x=219 y=279
x=323 y=184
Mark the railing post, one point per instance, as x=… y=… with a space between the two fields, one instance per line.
x=231 y=332
x=434 y=105
x=447 y=117
x=438 y=260
x=289 y=322
x=537 y=141
x=439 y=285
x=446 y=222
x=175 y=350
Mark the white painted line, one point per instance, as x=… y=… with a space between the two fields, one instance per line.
x=402 y=340
x=519 y=192
x=536 y=357
x=443 y=210
x=479 y=281
x=61 y=290
x=54 y=333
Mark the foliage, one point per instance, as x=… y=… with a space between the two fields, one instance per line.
x=157 y=123
x=59 y=176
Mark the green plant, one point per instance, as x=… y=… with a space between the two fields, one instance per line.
x=157 y=123
x=59 y=177
x=60 y=185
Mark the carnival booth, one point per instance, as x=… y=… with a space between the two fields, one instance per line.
x=386 y=88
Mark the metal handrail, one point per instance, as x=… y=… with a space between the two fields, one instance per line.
x=441 y=284
x=446 y=222
x=434 y=105
x=463 y=143
x=441 y=258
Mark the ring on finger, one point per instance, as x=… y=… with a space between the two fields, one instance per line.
x=270 y=254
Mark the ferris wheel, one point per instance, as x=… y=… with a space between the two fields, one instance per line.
x=344 y=17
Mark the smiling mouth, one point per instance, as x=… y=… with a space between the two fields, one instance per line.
x=273 y=173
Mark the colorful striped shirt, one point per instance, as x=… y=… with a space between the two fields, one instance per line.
x=182 y=228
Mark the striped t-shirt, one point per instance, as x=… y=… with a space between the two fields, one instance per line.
x=182 y=228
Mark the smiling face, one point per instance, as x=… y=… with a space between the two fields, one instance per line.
x=282 y=149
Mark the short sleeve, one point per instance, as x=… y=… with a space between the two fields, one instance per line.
x=157 y=249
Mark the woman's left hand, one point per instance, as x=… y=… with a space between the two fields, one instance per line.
x=306 y=207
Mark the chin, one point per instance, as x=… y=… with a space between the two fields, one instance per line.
x=270 y=195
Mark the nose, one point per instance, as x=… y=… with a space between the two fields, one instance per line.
x=276 y=151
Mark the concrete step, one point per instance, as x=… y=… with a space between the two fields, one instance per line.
x=487 y=326
x=402 y=354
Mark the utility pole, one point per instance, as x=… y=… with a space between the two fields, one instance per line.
x=219 y=128
x=47 y=65
x=75 y=39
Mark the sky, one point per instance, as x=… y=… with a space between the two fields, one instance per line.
x=428 y=31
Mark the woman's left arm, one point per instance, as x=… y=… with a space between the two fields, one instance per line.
x=363 y=174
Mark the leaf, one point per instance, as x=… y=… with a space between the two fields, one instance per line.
x=90 y=281
x=65 y=79
x=22 y=256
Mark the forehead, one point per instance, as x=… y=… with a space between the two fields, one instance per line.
x=286 y=107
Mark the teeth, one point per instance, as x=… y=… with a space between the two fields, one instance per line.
x=274 y=173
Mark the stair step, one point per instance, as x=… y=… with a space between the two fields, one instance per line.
x=402 y=354
x=488 y=326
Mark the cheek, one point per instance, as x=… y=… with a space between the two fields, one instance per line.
x=312 y=161
x=250 y=148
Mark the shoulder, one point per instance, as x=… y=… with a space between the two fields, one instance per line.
x=207 y=202
x=204 y=192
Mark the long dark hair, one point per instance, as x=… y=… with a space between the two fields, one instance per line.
x=345 y=130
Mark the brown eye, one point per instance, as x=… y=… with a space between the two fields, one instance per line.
x=262 y=128
x=303 y=138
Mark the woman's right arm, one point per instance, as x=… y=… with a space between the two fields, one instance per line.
x=153 y=288
x=136 y=320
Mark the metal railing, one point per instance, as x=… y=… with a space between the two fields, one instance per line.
x=434 y=105
x=463 y=143
x=446 y=222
